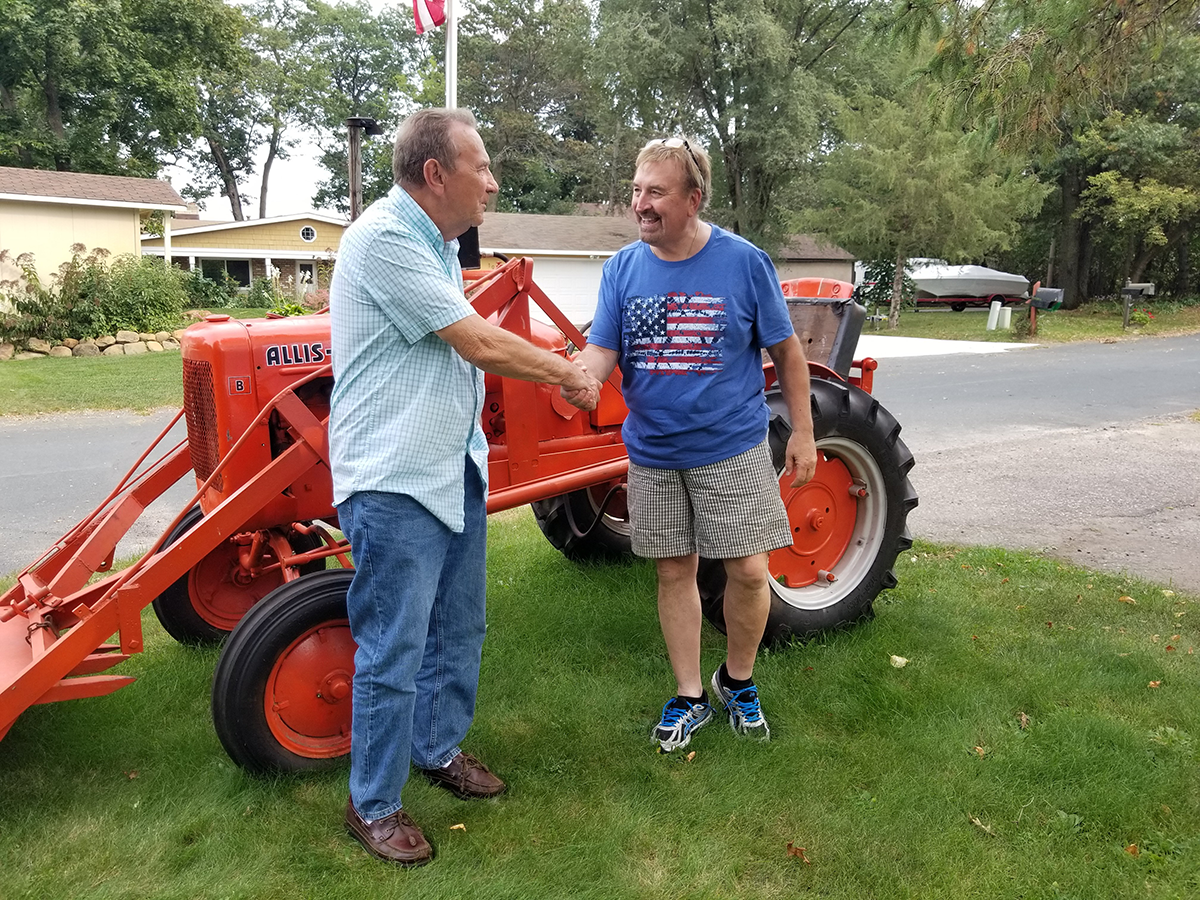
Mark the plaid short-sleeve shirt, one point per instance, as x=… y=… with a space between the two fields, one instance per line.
x=406 y=407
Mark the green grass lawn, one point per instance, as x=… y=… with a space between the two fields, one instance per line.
x=103 y=382
x=1095 y=321
x=1040 y=742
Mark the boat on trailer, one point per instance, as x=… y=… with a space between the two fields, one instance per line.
x=960 y=286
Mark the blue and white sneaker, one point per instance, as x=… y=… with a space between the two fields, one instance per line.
x=743 y=709
x=680 y=720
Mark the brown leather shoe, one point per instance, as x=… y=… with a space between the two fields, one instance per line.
x=395 y=838
x=467 y=778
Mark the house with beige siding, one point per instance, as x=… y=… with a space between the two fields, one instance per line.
x=300 y=248
x=45 y=213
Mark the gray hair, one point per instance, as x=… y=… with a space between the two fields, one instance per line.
x=427 y=134
x=692 y=158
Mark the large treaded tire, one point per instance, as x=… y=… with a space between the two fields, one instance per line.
x=854 y=538
x=202 y=606
x=281 y=693
x=565 y=521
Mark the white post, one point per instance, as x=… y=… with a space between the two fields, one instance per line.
x=993 y=314
x=167 y=214
x=451 y=55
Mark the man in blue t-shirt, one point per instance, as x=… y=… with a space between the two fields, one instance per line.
x=686 y=313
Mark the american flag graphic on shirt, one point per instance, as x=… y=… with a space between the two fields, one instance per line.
x=675 y=333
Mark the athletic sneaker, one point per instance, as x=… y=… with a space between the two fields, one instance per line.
x=680 y=720
x=743 y=709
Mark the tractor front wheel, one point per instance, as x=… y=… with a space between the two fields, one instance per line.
x=204 y=605
x=591 y=524
x=848 y=523
x=281 y=693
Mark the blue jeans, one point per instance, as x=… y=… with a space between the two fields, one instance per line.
x=416 y=609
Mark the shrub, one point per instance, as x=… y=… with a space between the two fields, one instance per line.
x=203 y=292
x=85 y=298
x=142 y=294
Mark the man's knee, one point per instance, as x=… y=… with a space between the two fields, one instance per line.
x=747 y=573
x=675 y=570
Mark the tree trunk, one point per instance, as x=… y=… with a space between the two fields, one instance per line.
x=9 y=104
x=1149 y=254
x=897 y=290
x=229 y=186
x=272 y=152
x=1183 y=280
x=1071 y=274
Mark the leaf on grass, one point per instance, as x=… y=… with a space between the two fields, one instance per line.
x=1170 y=649
x=691 y=756
x=1154 y=638
x=459 y=827
x=1168 y=593
x=986 y=829
x=1004 y=581
x=1125 y=598
x=1176 y=637
x=1132 y=849
x=131 y=774
x=1154 y=684
x=1023 y=720
x=899 y=662
x=981 y=751
x=793 y=850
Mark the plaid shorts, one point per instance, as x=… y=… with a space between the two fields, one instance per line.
x=723 y=510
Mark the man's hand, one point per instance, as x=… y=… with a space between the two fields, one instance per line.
x=800 y=458
x=582 y=392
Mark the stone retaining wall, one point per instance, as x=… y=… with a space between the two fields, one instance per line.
x=123 y=343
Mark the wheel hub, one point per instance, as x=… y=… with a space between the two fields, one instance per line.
x=821 y=515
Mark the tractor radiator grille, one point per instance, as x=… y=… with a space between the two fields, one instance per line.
x=201 y=415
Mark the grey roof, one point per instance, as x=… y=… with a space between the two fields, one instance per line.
x=526 y=231
x=607 y=234
x=47 y=185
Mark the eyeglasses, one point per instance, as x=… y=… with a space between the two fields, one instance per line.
x=675 y=143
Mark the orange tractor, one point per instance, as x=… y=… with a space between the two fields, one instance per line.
x=248 y=560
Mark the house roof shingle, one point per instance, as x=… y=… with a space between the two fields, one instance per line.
x=118 y=190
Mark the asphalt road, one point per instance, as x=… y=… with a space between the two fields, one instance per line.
x=1084 y=451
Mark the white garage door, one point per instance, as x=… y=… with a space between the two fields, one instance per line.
x=571 y=283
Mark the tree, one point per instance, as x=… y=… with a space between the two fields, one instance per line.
x=106 y=86
x=902 y=187
x=524 y=70
x=754 y=80
x=1037 y=75
x=362 y=65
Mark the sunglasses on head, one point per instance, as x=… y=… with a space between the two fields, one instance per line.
x=674 y=143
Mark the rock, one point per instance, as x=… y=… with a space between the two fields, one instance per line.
x=170 y=345
x=161 y=336
x=37 y=345
x=7 y=351
x=113 y=350
x=105 y=340
x=153 y=347
x=146 y=336
x=87 y=348
x=127 y=337
x=195 y=315
x=70 y=343
x=177 y=334
x=60 y=352
x=29 y=354
x=137 y=348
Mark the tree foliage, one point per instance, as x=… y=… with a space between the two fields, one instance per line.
x=901 y=187
x=106 y=86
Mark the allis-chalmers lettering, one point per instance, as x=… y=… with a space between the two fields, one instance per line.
x=296 y=354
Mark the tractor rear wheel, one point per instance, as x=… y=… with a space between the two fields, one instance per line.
x=281 y=694
x=567 y=522
x=848 y=523
x=204 y=605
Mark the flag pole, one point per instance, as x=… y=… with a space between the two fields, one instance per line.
x=451 y=54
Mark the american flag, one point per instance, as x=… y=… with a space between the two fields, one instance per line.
x=428 y=14
x=675 y=333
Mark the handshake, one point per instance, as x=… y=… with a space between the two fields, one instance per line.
x=579 y=388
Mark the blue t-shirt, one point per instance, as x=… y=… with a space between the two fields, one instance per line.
x=690 y=336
